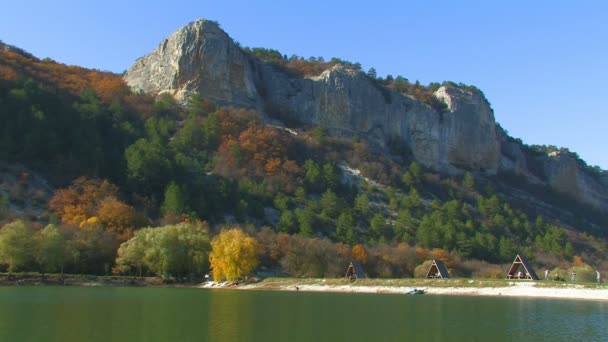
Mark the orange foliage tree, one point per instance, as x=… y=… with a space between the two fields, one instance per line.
x=86 y=198
x=360 y=253
x=116 y=215
x=578 y=261
x=443 y=255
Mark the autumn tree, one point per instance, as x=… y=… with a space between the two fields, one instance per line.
x=95 y=245
x=234 y=254
x=81 y=199
x=360 y=253
x=443 y=255
x=116 y=215
x=310 y=257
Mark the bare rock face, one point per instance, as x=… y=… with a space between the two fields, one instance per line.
x=199 y=58
x=565 y=175
x=346 y=100
x=468 y=130
x=202 y=59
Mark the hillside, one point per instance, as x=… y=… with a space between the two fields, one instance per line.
x=316 y=168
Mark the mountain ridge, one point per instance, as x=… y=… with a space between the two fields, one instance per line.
x=166 y=163
x=459 y=135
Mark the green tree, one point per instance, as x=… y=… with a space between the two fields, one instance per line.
x=372 y=73
x=16 y=245
x=506 y=249
x=404 y=225
x=361 y=206
x=54 y=251
x=177 y=250
x=330 y=205
x=345 y=232
x=468 y=181
x=306 y=220
x=288 y=223
x=300 y=195
x=132 y=253
x=148 y=166
x=281 y=202
x=400 y=83
x=330 y=175
x=312 y=175
x=416 y=171
x=211 y=128
x=175 y=200
x=379 y=228
x=412 y=201
x=319 y=134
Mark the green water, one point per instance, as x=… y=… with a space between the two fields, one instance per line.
x=165 y=314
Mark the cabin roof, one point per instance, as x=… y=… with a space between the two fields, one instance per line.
x=438 y=270
x=521 y=261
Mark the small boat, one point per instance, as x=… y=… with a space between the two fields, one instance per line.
x=416 y=292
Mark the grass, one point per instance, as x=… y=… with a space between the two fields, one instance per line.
x=271 y=283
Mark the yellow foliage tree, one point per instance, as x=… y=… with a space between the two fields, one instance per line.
x=233 y=254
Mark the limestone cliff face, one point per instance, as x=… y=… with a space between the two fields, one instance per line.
x=198 y=58
x=469 y=130
x=202 y=59
x=565 y=175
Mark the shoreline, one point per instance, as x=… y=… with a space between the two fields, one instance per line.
x=452 y=287
x=513 y=289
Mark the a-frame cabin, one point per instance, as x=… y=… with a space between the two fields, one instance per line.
x=521 y=269
x=438 y=270
x=354 y=271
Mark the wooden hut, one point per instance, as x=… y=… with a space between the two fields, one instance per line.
x=438 y=270
x=354 y=271
x=521 y=269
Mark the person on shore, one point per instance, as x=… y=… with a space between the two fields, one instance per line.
x=573 y=276
x=546 y=274
x=599 y=277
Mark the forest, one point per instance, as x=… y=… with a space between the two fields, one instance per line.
x=145 y=186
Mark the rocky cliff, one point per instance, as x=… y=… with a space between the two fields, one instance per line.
x=202 y=59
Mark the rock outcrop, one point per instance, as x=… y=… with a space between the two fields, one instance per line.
x=564 y=174
x=202 y=59
x=199 y=58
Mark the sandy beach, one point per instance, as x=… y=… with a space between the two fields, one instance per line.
x=510 y=289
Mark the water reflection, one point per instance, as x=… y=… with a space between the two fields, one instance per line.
x=142 y=314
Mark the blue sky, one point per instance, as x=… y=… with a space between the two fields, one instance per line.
x=543 y=67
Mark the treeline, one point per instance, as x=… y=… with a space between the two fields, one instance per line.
x=595 y=170
x=185 y=251
x=313 y=66
x=297 y=65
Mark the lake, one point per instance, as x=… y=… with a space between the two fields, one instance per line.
x=177 y=314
